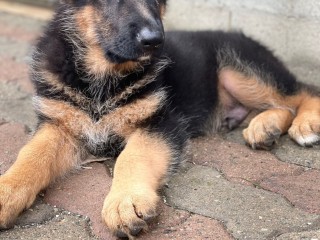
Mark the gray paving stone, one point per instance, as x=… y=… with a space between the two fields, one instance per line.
x=39 y=213
x=247 y=212
x=62 y=227
x=290 y=152
x=310 y=235
x=16 y=105
x=286 y=150
x=235 y=136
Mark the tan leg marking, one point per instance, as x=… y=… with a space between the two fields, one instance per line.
x=305 y=129
x=48 y=155
x=138 y=174
x=267 y=127
x=254 y=93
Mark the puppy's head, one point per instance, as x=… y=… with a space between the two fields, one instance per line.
x=118 y=35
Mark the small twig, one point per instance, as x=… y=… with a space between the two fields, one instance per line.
x=93 y=160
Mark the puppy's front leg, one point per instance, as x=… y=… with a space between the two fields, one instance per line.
x=138 y=174
x=49 y=154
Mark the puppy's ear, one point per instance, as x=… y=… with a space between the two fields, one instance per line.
x=163 y=7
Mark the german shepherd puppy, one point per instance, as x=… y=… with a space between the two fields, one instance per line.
x=107 y=84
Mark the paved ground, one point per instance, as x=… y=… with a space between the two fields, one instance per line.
x=225 y=191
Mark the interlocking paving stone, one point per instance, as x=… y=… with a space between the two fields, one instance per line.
x=83 y=193
x=63 y=227
x=238 y=162
x=38 y=213
x=290 y=152
x=12 y=138
x=16 y=105
x=178 y=224
x=19 y=51
x=286 y=150
x=308 y=235
x=302 y=190
x=247 y=212
x=10 y=74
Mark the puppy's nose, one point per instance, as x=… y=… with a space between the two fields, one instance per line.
x=150 y=39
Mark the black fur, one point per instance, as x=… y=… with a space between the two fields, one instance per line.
x=186 y=67
x=191 y=79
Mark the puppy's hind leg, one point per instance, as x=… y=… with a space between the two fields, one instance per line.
x=277 y=111
x=51 y=153
x=254 y=78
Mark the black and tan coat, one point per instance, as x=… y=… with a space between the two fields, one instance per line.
x=107 y=84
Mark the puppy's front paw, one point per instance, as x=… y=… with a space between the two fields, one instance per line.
x=14 y=198
x=305 y=129
x=126 y=212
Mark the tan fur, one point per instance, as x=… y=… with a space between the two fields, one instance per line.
x=143 y=10
x=98 y=65
x=162 y=10
x=122 y=121
x=225 y=98
x=305 y=128
x=82 y=100
x=51 y=153
x=255 y=94
x=87 y=19
x=138 y=173
x=267 y=127
x=56 y=85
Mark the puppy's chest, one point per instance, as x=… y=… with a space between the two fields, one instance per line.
x=106 y=133
x=100 y=140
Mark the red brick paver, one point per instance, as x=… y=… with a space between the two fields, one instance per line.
x=238 y=162
x=303 y=190
x=181 y=225
x=83 y=193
